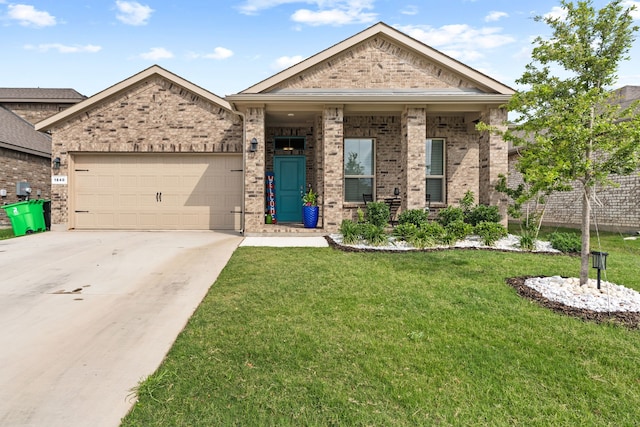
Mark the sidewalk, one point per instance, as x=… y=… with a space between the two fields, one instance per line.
x=286 y=242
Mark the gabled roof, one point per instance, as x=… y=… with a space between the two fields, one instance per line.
x=19 y=135
x=114 y=90
x=483 y=81
x=40 y=95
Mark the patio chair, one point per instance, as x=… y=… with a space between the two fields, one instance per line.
x=367 y=198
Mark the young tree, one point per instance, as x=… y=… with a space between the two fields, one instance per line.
x=568 y=121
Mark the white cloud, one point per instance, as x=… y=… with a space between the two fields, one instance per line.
x=286 y=62
x=28 y=16
x=252 y=7
x=133 y=13
x=326 y=12
x=556 y=12
x=495 y=16
x=61 y=48
x=462 y=41
x=335 y=17
x=157 y=53
x=409 y=10
x=218 y=53
x=635 y=14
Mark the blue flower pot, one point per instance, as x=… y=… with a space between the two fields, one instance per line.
x=310 y=216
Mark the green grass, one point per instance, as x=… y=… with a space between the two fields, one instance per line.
x=318 y=337
x=6 y=233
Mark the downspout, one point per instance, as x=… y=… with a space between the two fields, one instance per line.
x=244 y=164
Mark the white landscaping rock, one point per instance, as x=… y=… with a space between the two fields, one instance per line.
x=610 y=297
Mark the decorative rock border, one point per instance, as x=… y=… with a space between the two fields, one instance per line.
x=629 y=319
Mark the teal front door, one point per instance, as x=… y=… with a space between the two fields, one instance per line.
x=290 y=177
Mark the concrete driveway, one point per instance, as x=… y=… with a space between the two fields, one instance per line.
x=84 y=316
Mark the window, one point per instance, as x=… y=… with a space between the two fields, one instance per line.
x=359 y=168
x=289 y=144
x=435 y=170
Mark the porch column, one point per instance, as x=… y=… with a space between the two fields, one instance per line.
x=414 y=134
x=333 y=155
x=493 y=161
x=254 y=170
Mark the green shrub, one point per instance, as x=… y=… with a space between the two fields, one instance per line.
x=467 y=201
x=422 y=238
x=378 y=214
x=482 y=213
x=458 y=230
x=527 y=241
x=450 y=214
x=433 y=229
x=350 y=232
x=413 y=216
x=405 y=231
x=566 y=242
x=490 y=232
x=374 y=235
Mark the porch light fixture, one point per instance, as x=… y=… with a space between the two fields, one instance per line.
x=56 y=164
x=254 y=145
x=599 y=261
x=396 y=192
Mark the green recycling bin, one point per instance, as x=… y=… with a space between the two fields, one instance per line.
x=26 y=217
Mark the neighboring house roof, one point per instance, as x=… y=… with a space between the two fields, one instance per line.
x=19 y=135
x=40 y=95
x=114 y=90
x=628 y=95
x=486 y=83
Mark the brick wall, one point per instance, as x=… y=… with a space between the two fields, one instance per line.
x=155 y=116
x=376 y=63
x=615 y=209
x=16 y=167
x=36 y=112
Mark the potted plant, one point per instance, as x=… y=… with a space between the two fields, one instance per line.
x=310 y=209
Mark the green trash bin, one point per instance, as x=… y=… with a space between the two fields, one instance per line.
x=26 y=217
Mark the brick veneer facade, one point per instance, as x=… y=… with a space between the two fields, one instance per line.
x=474 y=160
x=35 y=112
x=155 y=116
x=16 y=167
x=616 y=208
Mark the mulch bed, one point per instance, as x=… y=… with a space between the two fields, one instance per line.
x=629 y=319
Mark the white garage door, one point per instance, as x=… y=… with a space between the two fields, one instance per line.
x=156 y=192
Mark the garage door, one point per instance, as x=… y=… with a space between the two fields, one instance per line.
x=156 y=192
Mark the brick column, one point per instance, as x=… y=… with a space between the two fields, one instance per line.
x=414 y=134
x=493 y=161
x=254 y=191
x=333 y=155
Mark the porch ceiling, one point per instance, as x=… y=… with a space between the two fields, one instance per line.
x=297 y=115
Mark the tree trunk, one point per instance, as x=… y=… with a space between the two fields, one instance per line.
x=586 y=236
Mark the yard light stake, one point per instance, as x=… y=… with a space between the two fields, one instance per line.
x=599 y=261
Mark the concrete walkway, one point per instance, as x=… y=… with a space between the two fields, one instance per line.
x=84 y=316
x=286 y=242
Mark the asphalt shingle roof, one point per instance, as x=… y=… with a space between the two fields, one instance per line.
x=44 y=95
x=20 y=135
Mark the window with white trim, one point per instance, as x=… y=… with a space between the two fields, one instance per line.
x=435 y=171
x=359 y=168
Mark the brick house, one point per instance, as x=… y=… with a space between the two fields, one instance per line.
x=25 y=154
x=616 y=208
x=377 y=112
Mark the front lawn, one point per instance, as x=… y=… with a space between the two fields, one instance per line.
x=317 y=337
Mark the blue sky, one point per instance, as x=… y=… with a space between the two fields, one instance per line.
x=227 y=46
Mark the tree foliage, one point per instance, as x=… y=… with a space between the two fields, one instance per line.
x=568 y=121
